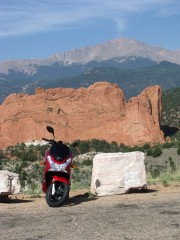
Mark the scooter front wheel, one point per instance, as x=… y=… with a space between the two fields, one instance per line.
x=56 y=197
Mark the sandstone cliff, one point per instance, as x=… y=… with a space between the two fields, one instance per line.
x=100 y=111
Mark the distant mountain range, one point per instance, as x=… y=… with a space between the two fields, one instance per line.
x=131 y=64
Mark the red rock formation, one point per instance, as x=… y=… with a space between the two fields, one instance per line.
x=100 y=111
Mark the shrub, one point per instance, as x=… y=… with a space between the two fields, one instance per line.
x=157 y=152
x=165 y=183
x=155 y=172
x=100 y=145
x=149 y=152
x=178 y=150
x=79 y=147
x=24 y=164
x=146 y=146
x=84 y=147
x=2 y=163
x=167 y=145
x=87 y=162
x=1 y=154
x=17 y=168
x=29 y=155
x=172 y=165
x=137 y=148
x=43 y=150
x=165 y=178
x=21 y=146
x=114 y=147
x=23 y=176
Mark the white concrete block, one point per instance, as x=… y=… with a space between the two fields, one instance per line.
x=117 y=173
x=9 y=183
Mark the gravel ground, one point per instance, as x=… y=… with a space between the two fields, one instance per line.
x=152 y=214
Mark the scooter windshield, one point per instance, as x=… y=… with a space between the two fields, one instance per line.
x=59 y=151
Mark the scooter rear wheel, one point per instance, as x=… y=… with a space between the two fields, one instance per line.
x=60 y=195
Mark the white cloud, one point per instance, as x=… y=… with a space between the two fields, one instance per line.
x=120 y=24
x=27 y=17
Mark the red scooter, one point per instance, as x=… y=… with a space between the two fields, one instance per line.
x=56 y=177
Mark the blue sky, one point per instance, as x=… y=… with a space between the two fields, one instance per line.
x=41 y=28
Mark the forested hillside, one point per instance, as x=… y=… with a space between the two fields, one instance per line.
x=171 y=107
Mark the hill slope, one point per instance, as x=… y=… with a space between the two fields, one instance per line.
x=171 y=107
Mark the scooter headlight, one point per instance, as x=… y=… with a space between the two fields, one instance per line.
x=58 y=167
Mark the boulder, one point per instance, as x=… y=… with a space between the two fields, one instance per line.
x=117 y=173
x=9 y=183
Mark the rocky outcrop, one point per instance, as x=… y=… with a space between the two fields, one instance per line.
x=100 y=112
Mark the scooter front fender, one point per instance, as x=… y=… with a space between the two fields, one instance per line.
x=55 y=178
x=60 y=179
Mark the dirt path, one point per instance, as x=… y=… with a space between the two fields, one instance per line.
x=154 y=214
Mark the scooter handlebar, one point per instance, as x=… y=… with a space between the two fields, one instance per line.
x=48 y=140
x=45 y=139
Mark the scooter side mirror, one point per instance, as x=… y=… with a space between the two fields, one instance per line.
x=50 y=129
